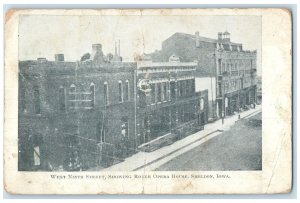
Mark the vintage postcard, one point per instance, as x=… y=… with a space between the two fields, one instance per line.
x=148 y=101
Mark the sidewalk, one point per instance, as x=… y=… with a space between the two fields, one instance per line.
x=147 y=161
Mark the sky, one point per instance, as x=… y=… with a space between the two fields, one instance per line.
x=45 y=36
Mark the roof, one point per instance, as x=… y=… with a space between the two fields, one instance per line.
x=150 y=64
x=203 y=39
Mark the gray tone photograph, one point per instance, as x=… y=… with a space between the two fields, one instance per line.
x=132 y=93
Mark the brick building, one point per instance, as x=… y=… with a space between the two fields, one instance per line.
x=168 y=106
x=97 y=111
x=230 y=69
x=75 y=111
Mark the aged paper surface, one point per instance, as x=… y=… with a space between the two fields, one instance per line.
x=138 y=144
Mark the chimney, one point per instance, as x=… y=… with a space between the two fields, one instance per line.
x=97 y=54
x=197 y=39
x=220 y=34
x=41 y=59
x=96 y=48
x=59 y=57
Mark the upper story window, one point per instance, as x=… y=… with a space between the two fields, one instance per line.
x=164 y=91
x=37 y=100
x=179 y=90
x=173 y=90
x=153 y=93
x=219 y=66
x=72 y=95
x=126 y=91
x=62 y=98
x=159 y=92
x=105 y=90
x=120 y=91
x=92 y=92
x=182 y=87
x=188 y=87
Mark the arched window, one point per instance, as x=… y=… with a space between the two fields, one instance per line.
x=92 y=91
x=100 y=132
x=62 y=98
x=37 y=100
x=105 y=91
x=125 y=127
x=126 y=91
x=72 y=95
x=120 y=91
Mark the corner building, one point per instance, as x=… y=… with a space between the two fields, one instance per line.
x=76 y=115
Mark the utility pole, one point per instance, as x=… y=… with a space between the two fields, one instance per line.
x=239 y=87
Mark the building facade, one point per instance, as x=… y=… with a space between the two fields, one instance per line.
x=168 y=106
x=231 y=68
x=76 y=115
x=97 y=111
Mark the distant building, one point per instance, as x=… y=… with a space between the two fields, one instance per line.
x=231 y=69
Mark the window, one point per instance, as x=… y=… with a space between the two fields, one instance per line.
x=223 y=67
x=36 y=156
x=172 y=90
x=72 y=96
x=92 y=91
x=124 y=127
x=100 y=132
x=126 y=91
x=219 y=66
x=158 y=92
x=193 y=86
x=164 y=90
x=168 y=91
x=179 y=88
x=37 y=101
x=184 y=88
x=120 y=91
x=36 y=141
x=188 y=87
x=152 y=93
x=62 y=98
x=181 y=114
x=105 y=93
